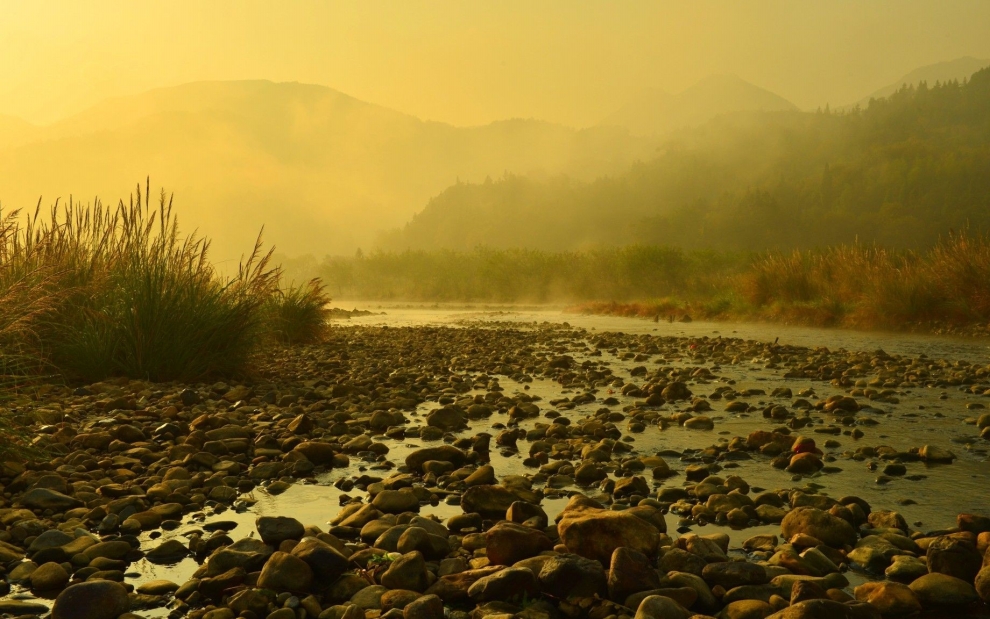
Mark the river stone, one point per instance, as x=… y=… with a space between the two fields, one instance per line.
x=511 y=583
x=49 y=577
x=22 y=571
x=630 y=572
x=253 y=600
x=19 y=608
x=751 y=592
x=831 y=530
x=938 y=589
x=527 y=514
x=96 y=599
x=731 y=574
x=955 y=557
x=870 y=558
x=972 y=522
x=45 y=498
x=214 y=586
x=676 y=390
x=10 y=553
x=699 y=423
x=426 y=607
x=276 y=529
x=684 y=596
x=746 y=609
x=485 y=475
x=285 y=572
x=705 y=547
x=433 y=547
x=488 y=500
x=660 y=607
x=158 y=587
x=827 y=609
x=507 y=543
x=361 y=516
x=982 y=584
x=396 y=501
x=568 y=575
x=804 y=464
x=589 y=473
x=931 y=453
x=49 y=539
x=886 y=519
x=414 y=538
x=320 y=454
x=906 y=569
x=169 y=551
x=590 y=531
x=406 y=572
x=447 y=418
x=369 y=598
x=706 y=599
x=115 y=549
x=247 y=553
x=453 y=588
x=396 y=598
x=218 y=613
x=892 y=599
x=443 y=453
x=679 y=560
x=787 y=581
x=323 y=559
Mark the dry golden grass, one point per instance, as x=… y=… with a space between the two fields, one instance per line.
x=93 y=292
x=854 y=286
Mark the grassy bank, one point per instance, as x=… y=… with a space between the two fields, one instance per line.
x=524 y=275
x=946 y=286
x=89 y=292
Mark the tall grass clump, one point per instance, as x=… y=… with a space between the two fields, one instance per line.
x=875 y=286
x=960 y=265
x=97 y=292
x=299 y=314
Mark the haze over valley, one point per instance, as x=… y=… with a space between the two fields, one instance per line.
x=342 y=174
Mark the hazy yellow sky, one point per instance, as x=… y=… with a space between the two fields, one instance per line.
x=473 y=62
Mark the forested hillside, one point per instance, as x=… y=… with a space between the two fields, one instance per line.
x=900 y=172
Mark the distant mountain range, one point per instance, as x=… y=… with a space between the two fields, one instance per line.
x=323 y=171
x=899 y=173
x=656 y=112
x=959 y=69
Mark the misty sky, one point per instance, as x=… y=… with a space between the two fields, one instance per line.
x=474 y=62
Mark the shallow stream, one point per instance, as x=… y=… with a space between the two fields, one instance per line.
x=928 y=496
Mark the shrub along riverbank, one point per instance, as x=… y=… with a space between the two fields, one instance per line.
x=91 y=292
x=946 y=286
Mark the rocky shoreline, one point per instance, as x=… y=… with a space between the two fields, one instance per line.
x=405 y=422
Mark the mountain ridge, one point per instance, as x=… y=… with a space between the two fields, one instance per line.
x=901 y=172
x=657 y=112
x=323 y=171
x=957 y=69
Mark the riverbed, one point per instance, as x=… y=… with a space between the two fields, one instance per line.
x=928 y=495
